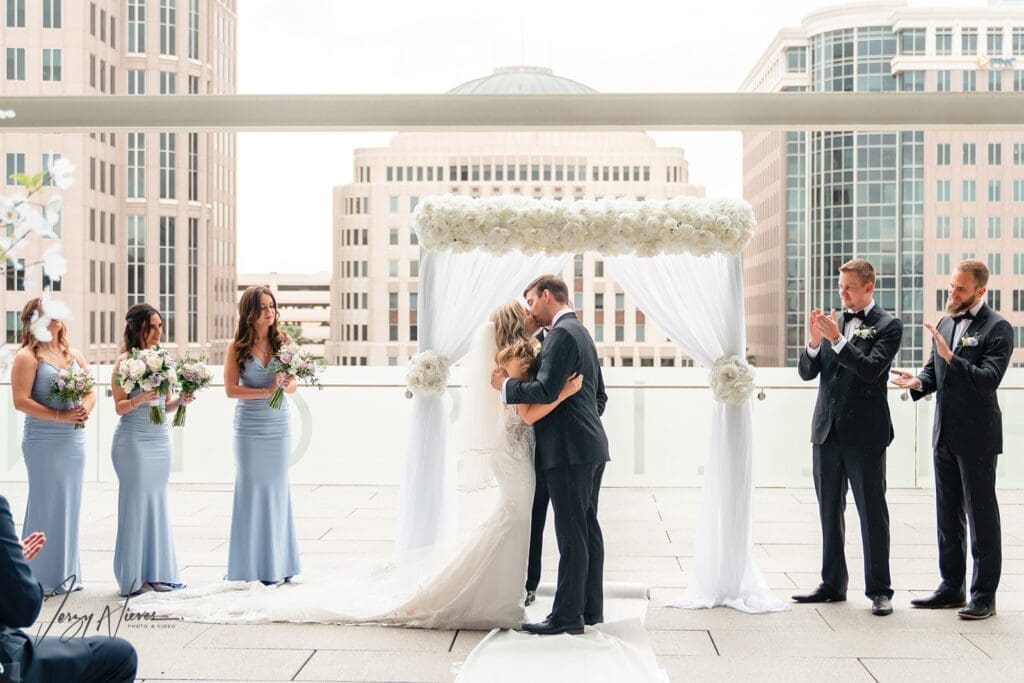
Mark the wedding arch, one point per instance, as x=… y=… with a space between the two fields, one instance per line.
x=681 y=262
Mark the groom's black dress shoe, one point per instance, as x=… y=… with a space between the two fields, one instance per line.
x=530 y=597
x=881 y=606
x=550 y=628
x=977 y=610
x=939 y=601
x=820 y=595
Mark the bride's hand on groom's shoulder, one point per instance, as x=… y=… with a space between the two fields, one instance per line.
x=498 y=377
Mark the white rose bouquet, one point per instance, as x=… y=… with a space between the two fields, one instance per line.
x=149 y=370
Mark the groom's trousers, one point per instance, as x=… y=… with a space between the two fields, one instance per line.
x=539 y=518
x=574 y=492
x=837 y=466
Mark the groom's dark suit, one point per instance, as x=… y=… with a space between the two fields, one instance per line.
x=967 y=437
x=570 y=455
x=850 y=432
x=97 y=659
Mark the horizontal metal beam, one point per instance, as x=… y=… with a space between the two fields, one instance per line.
x=668 y=111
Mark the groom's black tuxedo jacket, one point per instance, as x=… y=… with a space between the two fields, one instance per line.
x=572 y=433
x=967 y=416
x=21 y=598
x=852 y=398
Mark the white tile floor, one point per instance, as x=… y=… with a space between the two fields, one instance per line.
x=648 y=537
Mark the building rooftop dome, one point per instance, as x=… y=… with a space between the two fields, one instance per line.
x=521 y=80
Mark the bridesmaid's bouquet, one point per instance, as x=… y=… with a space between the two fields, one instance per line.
x=149 y=370
x=292 y=360
x=71 y=384
x=193 y=375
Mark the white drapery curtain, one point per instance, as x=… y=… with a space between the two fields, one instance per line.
x=457 y=292
x=698 y=302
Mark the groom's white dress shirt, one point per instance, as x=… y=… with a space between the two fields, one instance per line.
x=964 y=323
x=554 y=320
x=847 y=334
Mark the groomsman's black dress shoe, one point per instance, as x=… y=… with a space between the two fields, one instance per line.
x=881 y=606
x=820 y=594
x=977 y=610
x=551 y=628
x=939 y=601
x=594 y=621
x=530 y=597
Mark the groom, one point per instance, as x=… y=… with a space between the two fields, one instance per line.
x=572 y=450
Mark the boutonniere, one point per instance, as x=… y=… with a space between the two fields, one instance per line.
x=972 y=340
x=864 y=332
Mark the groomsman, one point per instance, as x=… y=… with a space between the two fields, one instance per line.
x=850 y=431
x=971 y=349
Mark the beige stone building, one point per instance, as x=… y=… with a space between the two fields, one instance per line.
x=376 y=257
x=151 y=216
x=912 y=202
x=303 y=302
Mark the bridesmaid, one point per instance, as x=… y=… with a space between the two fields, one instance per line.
x=263 y=545
x=54 y=450
x=144 y=551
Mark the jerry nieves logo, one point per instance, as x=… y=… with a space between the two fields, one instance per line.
x=89 y=623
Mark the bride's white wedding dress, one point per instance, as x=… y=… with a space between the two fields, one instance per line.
x=478 y=584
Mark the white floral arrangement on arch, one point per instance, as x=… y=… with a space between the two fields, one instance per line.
x=427 y=374
x=731 y=380
x=609 y=226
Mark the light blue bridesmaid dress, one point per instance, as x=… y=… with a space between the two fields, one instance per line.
x=263 y=545
x=55 y=458
x=144 y=550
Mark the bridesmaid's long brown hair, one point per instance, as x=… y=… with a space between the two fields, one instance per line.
x=136 y=327
x=29 y=340
x=248 y=313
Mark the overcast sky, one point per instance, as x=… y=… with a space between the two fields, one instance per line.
x=342 y=46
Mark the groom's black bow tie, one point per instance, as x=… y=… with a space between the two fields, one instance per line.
x=850 y=315
x=541 y=334
x=966 y=315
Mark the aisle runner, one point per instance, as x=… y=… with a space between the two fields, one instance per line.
x=617 y=650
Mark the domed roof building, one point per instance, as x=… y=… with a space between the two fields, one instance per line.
x=522 y=80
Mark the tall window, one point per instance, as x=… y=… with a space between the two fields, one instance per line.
x=995 y=227
x=995 y=81
x=193 y=167
x=1018 y=41
x=969 y=155
x=168 y=156
x=193 y=29
x=167 y=262
x=1018 y=190
x=168 y=19
x=51 y=13
x=193 y=280
x=136 y=165
x=15 y=164
x=995 y=154
x=912 y=41
x=49 y=160
x=942 y=193
x=944 y=80
x=168 y=83
x=136 y=25
x=15 y=63
x=51 y=64
x=796 y=59
x=968 y=191
x=942 y=154
x=994 y=42
x=995 y=191
x=969 y=227
x=970 y=81
x=943 y=41
x=136 y=248
x=13 y=326
x=16 y=275
x=136 y=82
x=15 y=16
x=969 y=41
x=942 y=227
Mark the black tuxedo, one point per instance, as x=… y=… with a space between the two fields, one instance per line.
x=571 y=453
x=851 y=430
x=98 y=658
x=967 y=437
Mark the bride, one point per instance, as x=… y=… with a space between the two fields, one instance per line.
x=477 y=585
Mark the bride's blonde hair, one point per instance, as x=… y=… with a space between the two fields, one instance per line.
x=512 y=338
